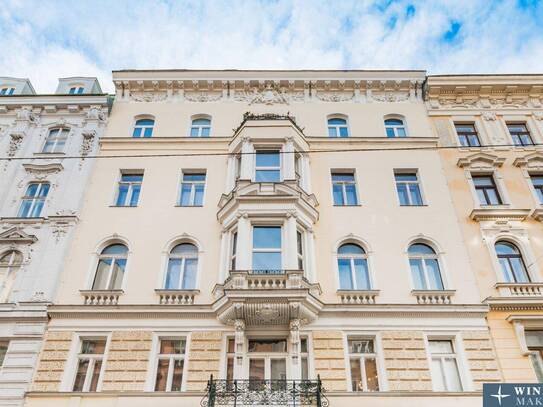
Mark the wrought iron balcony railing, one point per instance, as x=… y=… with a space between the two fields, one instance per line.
x=264 y=393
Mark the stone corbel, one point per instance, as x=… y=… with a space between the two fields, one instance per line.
x=239 y=340
x=15 y=142
x=521 y=337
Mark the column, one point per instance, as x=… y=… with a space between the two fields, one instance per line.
x=310 y=272
x=243 y=251
x=239 y=343
x=289 y=172
x=295 y=362
x=291 y=256
x=230 y=174
x=224 y=259
x=247 y=159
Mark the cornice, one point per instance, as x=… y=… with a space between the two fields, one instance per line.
x=47 y=102
x=514 y=304
x=499 y=214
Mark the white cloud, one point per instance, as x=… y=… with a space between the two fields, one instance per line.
x=46 y=40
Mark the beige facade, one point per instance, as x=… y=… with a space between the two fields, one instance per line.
x=339 y=258
x=494 y=106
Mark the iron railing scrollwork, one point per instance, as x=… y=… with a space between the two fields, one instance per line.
x=264 y=393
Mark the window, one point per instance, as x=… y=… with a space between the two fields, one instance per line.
x=33 y=200
x=268 y=166
x=234 y=248
x=352 y=265
x=267 y=361
x=3 y=350
x=395 y=128
x=267 y=248
x=182 y=267
x=520 y=134
x=407 y=185
x=10 y=262
x=110 y=269
x=170 y=363
x=344 y=189
x=511 y=263
x=300 y=249
x=76 y=90
x=200 y=128
x=89 y=364
x=467 y=134
x=537 y=182
x=534 y=342
x=304 y=357
x=143 y=128
x=56 y=140
x=486 y=190
x=129 y=189
x=7 y=91
x=363 y=362
x=337 y=127
x=230 y=358
x=425 y=267
x=192 y=189
x=444 y=367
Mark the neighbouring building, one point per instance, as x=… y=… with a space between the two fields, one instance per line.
x=40 y=197
x=491 y=131
x=262 y=226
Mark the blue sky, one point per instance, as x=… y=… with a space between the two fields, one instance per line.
x=46 y=39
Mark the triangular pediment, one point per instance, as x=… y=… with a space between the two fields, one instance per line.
x=481 y=160
x=17 y=235
x=531 y=161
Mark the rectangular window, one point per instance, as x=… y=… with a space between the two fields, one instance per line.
x=192 y=189
x=304 y=357
x=89 y=364
x=300 y=249
x=520 y=134
x=56 y=140
x=267 y=248
x=486 y=190
x=267 y=166
x=407 y=185
x=534 y=342
x=444 y=367
x=537 y=182
x=169 y=365
x=230 y=358
x=467 y=134
x=234 y=248
x=363 y=362
x=33 y=200
x=3 y=350
x=128 y=193
x=344 y=189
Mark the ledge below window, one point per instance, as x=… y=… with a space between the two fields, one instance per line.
x=537 y=214
x=493 y=213
x=358 y=296
x=101 y=297
x=433 y=296
x=520 y=289
x=176 y=297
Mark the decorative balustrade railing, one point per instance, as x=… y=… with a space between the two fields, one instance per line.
x=264 y=393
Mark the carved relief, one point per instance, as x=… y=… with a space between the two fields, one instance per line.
x=148 y=96
x=42 y=171
x=538 y=115
x=14 y=143
x=488 y=116
x=95 y=113
x=26 y=114
x=203 y=96
x=391 y=97
x=87 y=143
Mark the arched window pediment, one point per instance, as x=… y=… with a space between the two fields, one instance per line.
x=425 y=267
x=353 y=267
x=111 y=267
x=182 y=267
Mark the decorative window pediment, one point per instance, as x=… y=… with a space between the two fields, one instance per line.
x=16 y=235
x=532 y=161
x=42 y=170
x=481 y=161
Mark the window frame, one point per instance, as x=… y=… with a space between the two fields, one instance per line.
x=379 y=358
x=281 y=249
x=437 y=256
x=56 y=139
x=130 y=191
x=520 y=256
x=337 y=127
x=9 y=90
x=279 y=166
x=395 y=127
x=200 y=127
x=343 y=171
x=418 y=182
x=365 y=256
x=100 y=256
x=183 y=266
x=34 y=199
x=192 y=195
x=11 y=272
x=476 y=188
x=537 y=191
x=4 y=343
x=466 y=135
x=171 y=357
x=518 y=134
x=77 y=356
x=143 y=127
x=460 y=357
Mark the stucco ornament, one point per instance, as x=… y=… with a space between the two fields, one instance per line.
x=87 y=143
x=26 y=114
x=488 y=116
x=203 y=96
x=335 y=96
x=270 y=95
x=538 y=115
x=14 y=143
x=391 y=97
x=149 y=97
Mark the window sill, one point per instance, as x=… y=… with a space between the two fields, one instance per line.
x=51 y=155
x=123 y=206
x=340 y=206
x=433 y=297
x=101 y=297
x=521 y=290
x=16 y=219
x=498 y=212
x=176 y=297
x=358 y=296
x=413 y=206
x=189 y=206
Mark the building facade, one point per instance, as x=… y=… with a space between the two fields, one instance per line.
x=262 y=226
x=491 y=128
x=40 y=197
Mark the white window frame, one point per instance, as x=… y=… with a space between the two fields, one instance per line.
x=110 y=270
x=337 y=126
x=34 y=198
x=150 y=382
x=270 y=168
x=192 y=188
x=130 y=184
x=143 y=127
x=3 y=358
x=379 y=359
x=68 y=381
x=351 y=258
x=416 y=172
x=63 y=134
x=267 y=356
x=183 y=266
x=10 y=272
x=395 y=127
x=281 y=250
x=343 y=183
x=459 y=353
x=234 y=242
x=199 y=127
x=423 y=257
x=77 y=90
x=498 y=181
x=475 y=126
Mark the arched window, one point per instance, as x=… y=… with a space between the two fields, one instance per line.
x=511 y=263
x=352 y=262
x=56 y=140
x=395 y=128
x=424 y=264
x=10 y=262
x=200 y=127
x=110 y=269
x=143 y=128
x=337 y=127
x=182 y=268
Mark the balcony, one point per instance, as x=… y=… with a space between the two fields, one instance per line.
x=520 y=290
x=434 y=297
x=264 y=393
x=101 y=297
x=176 y=297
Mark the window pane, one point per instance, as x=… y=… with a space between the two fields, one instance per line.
x=162 y=374
x=356 y=375
x=148 y=132
x=405 y=177
x=267 y=159
x=350 y=190
x=256 y=369
x=417 y=273
x=95 y=375
x=186 y=249
x=135 y=195
x=393 y=122
x=452 y=375
x=177 y=378
x=278 y=369
x=102 y=274
x=534 y=339
x=189 y=278
x=115 y=249
x=332 y=132
x=492 y=197
x=266 y=237
x=437 y=375
x=416 y=198
x=338 y=194
x=350 y=248
x=118 y=273
x=372 y=378
x=441 y=346
x=267 y=176
x=80 y=375
x=419 y=248
x=506 y=269
x=434 y=275
x=185 y=194
x=201 y=122
x=345 y=277
x=36 y=211
x=337 y=121
x=305 y=369
x=172 y=346
x=123 y=192
x=194 y=131
x=343 y=177
x=266 y=261
x=194 y=177
x=390 y=132
x=199 y=194
x=96 y=347
x=401 y=132
x=205 y=131
x=24 y=210
x=360 y=346
x=343 y=132
x=267 y=345
x=173 y=274
x=230 y=369
x=402 y=194
x=137 y=132
x=361 y=274
x=474 y=141
x=518 y=269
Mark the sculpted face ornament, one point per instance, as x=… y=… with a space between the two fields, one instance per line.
x=267 y=313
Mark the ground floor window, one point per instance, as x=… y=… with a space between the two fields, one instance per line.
x=170 y=364
x=363 y=363
x=444 y=367
x=89 y=364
